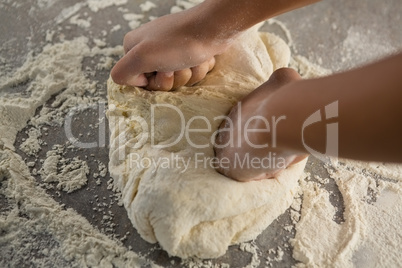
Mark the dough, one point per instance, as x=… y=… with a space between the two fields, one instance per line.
x=193 y=210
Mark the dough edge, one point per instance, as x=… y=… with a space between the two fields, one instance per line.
x=157 y=221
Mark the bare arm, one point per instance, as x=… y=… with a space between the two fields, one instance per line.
x=224 y=19
x=365 y=103
x=369 y=111
x=187 y=41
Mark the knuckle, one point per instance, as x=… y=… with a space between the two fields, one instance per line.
x=117 y=75
x=127 y=43
x=285 y=75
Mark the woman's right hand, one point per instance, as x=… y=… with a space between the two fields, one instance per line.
x=247 y=140
x=168 y=52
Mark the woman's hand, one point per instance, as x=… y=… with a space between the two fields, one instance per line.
x=171 y=80
x=171 y=51
x=160 y=54
x=246 y=145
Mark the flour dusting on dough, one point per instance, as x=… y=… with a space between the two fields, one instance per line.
x=156 y=195
x=38 y=90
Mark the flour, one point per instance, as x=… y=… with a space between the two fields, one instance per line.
x=102 y=169
x=147 y=6
x=68 y=12
x=183 y=5
x=253 y=249
x=115 y=28
x=73 y=239
x=134 y=20
x=93 y=5
x=45 y=75
x=278 y=252
x=156 y=196
x=45 y=3
x=96 y=5
x=187 y=4
x=39 y=91
x=364 y=46
x=376 y=169
x=36 y=247
x=369 y=227
x=80 y=22
x=99 y=43
x=307 y=69
x=199 y=263
x=32 y=215
x=382 y=243
x=69 y=174
x=285 y=30
x=32 y=144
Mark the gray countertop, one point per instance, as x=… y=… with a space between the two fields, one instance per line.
x=336 y=34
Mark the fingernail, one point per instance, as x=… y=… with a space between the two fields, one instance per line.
x=168 y=74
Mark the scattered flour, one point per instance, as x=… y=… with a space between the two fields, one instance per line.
x=69 y=174
x=369 y=235
x=362 y=45
x=182 y=5
x=96 y=5
x=307 y=69
x=284 y=29
x=115 y=28
x=49 y=35
x=384 y=170
x=278 y=256
x=45 y=3
x=33 y=214
x=36 y=229
x=80 y=22
x=55 y=69
x=102 y=169
x=32 y=144
x=68 y=12
x=147 y=6
x=251 y=247
x=200 y=263
x=134 y=20
x=99 y=43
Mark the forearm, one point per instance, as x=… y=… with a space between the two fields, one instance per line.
x=369 y=110
x=184 y=41
x=226 y=18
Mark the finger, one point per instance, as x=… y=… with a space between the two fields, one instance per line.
x=278 y=79
x=198 y=73
x=134 y=81
x=161 y=81
x=129 y=41
x=211 y=64
x=283 y=76
x=127 y=70
x=137 y=81
x=181 y=77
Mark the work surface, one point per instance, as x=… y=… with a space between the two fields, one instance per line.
x=336 y=35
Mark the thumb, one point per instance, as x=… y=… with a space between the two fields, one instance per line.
x=137 y=81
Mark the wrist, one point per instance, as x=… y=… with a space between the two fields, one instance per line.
x=216 y=22
x=287 y=106
x=225 y=19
